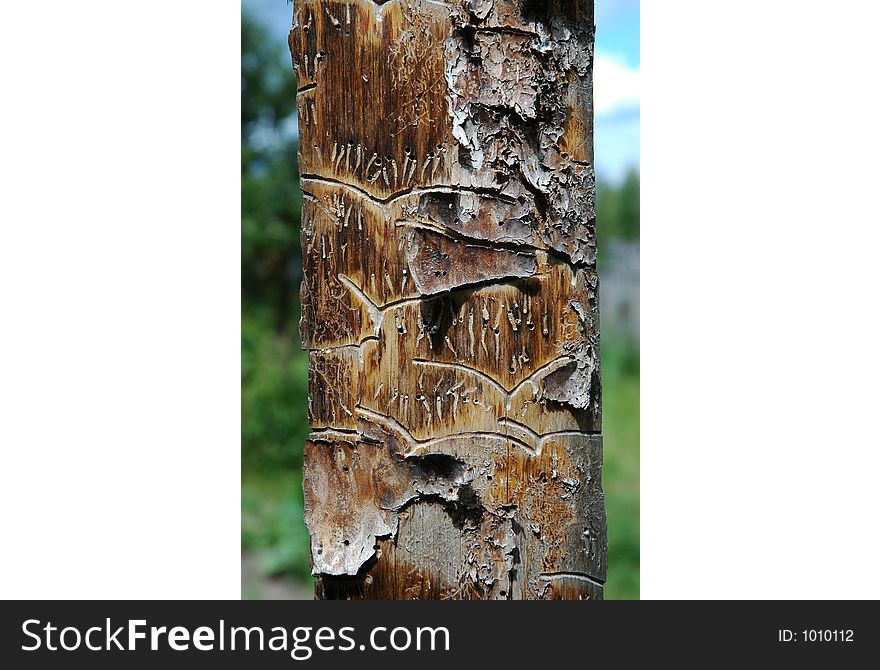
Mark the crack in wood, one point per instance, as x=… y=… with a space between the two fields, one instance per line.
x=424 y=447
x=573 y=575
x=415 y=189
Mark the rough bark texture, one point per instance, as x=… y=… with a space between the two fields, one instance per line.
x=450 y=298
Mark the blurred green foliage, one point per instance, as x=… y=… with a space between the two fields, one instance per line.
x=272 y=522
x=620 y=470
x=275 y=369
x=270 y=196
x=617 y=209
x=274 y=385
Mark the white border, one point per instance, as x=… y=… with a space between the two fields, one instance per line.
x=760 y=460
x=119 y=273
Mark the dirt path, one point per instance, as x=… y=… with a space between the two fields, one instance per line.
x=255 y=585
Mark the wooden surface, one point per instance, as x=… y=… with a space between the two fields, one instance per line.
x=450 y=299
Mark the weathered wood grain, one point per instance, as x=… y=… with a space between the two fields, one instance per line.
x=450 y=298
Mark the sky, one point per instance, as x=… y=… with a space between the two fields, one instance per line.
x=615 y=77
x=616 y=87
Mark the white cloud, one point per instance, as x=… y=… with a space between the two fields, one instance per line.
x=615 y=86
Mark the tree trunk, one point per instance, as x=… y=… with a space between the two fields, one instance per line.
x=449 y=304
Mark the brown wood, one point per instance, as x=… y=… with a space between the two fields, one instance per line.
x=449 y=304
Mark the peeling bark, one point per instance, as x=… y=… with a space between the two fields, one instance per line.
x=450 y=299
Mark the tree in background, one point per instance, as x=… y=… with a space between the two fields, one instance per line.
x=273 y=368
x=617 y=209
x=270 y=197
